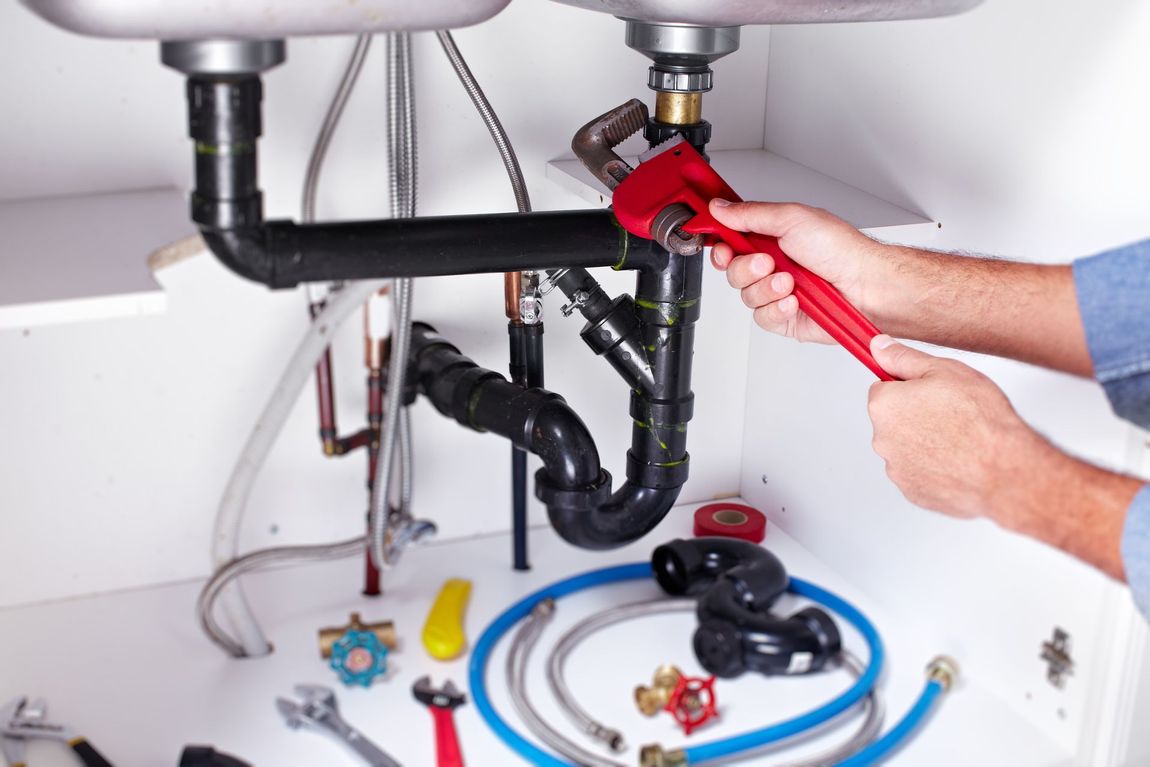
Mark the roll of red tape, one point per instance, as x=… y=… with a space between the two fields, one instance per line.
x=731 y=520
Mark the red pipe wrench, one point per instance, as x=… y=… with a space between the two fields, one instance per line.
x=674 y=174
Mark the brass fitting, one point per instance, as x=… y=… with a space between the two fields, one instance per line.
x=678 y=108
x=384 y=631
x=654 y=756
x=943 y=670
x=651 y=700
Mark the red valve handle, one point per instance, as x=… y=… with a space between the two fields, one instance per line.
x=692 y=702
x=681 y=175
x=447 y=751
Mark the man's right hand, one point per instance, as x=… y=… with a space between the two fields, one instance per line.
x=814 y=238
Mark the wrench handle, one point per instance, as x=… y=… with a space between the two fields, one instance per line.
x=447 y=751
x=822 y=302
x=88 y=755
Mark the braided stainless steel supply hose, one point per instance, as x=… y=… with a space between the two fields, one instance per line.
x=518 y=654
x=390 y=533
x=556 y=662
x=330 y=122
x=490 y=119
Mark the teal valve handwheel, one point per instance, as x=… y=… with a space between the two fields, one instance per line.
x=359 y=658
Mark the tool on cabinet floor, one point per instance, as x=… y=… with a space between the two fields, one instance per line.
x=206 y=756
x=320 y=711
x=665 y=199
x=443 y=633
x=22 y=720
x=442 y=702
x=690 y=699
x=358 y=651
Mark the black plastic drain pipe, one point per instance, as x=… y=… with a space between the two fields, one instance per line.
x=648 y=340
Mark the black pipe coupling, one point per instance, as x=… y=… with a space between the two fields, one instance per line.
x=736 y=583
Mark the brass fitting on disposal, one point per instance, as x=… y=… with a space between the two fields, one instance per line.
x=384 y=631
x=678 y=108
x=651 y=700
x=655 y=756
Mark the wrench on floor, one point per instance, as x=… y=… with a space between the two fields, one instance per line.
x=320 y=710
x=22 y=720
x=442 y=702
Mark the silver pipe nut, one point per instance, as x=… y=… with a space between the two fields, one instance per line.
x=660 y=79
x=944 y=670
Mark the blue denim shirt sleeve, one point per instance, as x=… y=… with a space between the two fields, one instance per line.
x=1114 y=299
x=1113 y=291
x=1136 y=549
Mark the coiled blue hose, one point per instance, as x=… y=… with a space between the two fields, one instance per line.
x=703 y=752
x=887 y=744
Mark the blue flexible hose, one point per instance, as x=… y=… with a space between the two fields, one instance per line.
x=898 y=735
x=477 y=668
x=703 y=752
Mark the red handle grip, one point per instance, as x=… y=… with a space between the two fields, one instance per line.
x=817 y=297
x=447 y=751
x=680 y=175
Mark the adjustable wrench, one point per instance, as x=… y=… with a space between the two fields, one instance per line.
x=665 y=199
x=22 y=720
x=442 y=702
x=320 y=710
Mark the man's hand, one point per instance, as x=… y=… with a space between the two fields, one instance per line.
x=953 y=443
x=950 y=438
x=828 y=246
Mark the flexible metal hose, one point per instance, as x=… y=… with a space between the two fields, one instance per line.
x=522 y=644
x=490 y=119
x=330 y=122
x=257 y=560
x=386 y=544
x=556 y=661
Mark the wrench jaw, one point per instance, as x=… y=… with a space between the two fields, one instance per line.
x=595 y=142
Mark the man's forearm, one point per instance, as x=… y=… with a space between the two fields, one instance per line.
x=1027 y=312
x=1065 y=502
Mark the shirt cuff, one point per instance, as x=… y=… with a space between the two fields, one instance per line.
x=1113 y=290
x=1136 y=549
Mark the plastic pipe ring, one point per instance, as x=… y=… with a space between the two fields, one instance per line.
x=731 y=520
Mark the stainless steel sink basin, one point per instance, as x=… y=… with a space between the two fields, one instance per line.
x=257 y=19
x=733 y=13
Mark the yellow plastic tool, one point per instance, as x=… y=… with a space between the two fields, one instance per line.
x=443 y=631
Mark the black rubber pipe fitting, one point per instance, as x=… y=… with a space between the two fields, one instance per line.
x=736 y=583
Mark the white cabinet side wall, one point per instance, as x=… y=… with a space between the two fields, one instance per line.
x=118 y=436
x=1021 y=128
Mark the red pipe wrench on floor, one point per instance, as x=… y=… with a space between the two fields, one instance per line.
x=665 y=199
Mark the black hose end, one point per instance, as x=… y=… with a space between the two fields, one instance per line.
x=673 y=564
x=719 y=648
x=825 y=631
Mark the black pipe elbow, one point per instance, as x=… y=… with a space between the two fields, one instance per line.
x=737 y=582
x=245 y=252
x=596 y=519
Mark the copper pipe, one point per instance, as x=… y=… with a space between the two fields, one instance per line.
x=325 y=394
x=512 y=289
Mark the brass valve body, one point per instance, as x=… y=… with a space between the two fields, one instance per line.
x=651 y=700
x=384 y=631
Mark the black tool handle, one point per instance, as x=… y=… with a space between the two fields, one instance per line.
x=88 y=755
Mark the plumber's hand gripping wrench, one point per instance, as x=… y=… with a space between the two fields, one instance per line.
x=665 y=199
x=320 y=710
